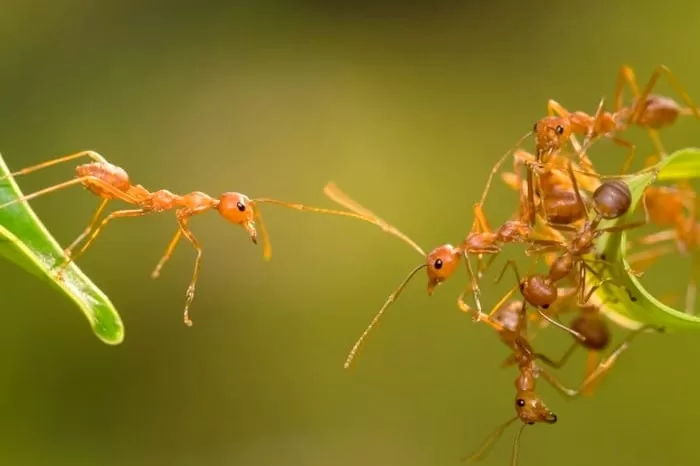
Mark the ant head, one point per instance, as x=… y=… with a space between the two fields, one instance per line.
x=531 y=409
x=551 y=133
x=441 y=262
x=238 y=209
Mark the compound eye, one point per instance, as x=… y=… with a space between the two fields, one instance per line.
x=520 y=402
x=559 y=129
x=240 y=206
x=438 y=264
x=534 y=127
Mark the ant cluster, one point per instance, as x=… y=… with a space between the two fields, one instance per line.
x=563 y=202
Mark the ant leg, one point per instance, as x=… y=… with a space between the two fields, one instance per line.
x=98 y=230
x=476 y=315
x=168 y=253
x=95 y=217
x=643 y=260
x=103 y=185
x=558 y=364
x=509 y=263
x=476 y=292
x=574 y=185
x=662 y=69
x=554 y=108
x=599 y=371
x=49 y=163
x=561 y=326
x=592 y=361
x=182 y=219
x=631 y=148
x=495 y=169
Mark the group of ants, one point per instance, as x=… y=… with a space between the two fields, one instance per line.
x=563 y=201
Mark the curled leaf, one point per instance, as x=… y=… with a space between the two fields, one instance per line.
x=25 y=241
x=621 y=295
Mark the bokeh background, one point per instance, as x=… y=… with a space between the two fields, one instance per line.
x=405 y=105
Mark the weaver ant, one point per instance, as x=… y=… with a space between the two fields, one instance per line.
x=648 y=111
x=610 y=200
x=508 y=318
x=111 y=182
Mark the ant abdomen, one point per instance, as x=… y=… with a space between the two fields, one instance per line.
x=539 y=290
x=442 y=263
x=563 y=207
x=612 y=199
x=594 y=329
x=658 y=112
x=111 y=174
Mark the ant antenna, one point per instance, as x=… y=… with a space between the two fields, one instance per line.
x=337 y=195
x=490 y=440
x=392 y=297
x=516 y=445
x=495 y=169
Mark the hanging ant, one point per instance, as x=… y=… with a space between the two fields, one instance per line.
x=508 y=318
x=111 y=182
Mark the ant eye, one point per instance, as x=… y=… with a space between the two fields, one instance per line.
x=559 y=129
x=534 y=127
x=531 y=423
x=545 y=306
x=520 y=402
x=438 y=264
x=240 y=206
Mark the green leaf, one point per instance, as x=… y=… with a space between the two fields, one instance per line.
x=639 y=307
x=25 y=241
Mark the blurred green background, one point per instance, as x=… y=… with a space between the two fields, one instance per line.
x=405 y=105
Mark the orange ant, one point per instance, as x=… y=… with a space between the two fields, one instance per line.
x=441 y=262
x=610 y=200
x=648 y=111
x=674 y=207
x=509 y=320
x=111 y=182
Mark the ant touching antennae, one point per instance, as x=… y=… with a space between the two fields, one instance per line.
x=440 y=263
x=111 y=182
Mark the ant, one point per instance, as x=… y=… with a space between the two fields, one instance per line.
x=674 y=207
x=441 y=262
x=508 y=318
x=111 y=182
x=611 y=200
x=648 y=111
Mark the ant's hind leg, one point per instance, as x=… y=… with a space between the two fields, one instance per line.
x=49 y=163
x=93 y=222
x=602 y=368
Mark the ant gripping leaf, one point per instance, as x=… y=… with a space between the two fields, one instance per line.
x=631 y=305
x=25 y=241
